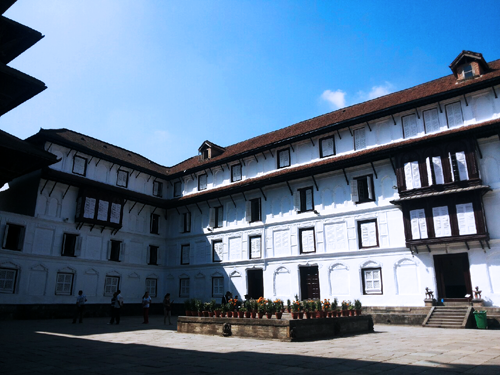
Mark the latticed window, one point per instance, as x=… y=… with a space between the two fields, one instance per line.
x=64 y=284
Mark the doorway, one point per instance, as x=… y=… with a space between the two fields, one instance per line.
x=309 y=282
x=255 y=288
x=452 y=276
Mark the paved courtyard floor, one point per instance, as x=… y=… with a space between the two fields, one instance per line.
x=93 y=347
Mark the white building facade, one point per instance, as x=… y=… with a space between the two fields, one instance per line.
x=373 y=202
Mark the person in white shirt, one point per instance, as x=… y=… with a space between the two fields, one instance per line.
x=146 y=301
x=80 y=306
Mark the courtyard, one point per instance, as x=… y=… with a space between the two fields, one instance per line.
x=59 y=347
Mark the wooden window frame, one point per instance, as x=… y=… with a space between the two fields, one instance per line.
x=278 y=153
x=354 y=137
x=14 y=273
x=232 y=172
x=159 y=189
x=219 y=217
x=118 y=172
x=199 y=182
x=301 y=231
x=423 y=119
x=106 y=284
x=214 y=242
x=179 y=192
x=85 y=162
x=185 y=262
x=154 y=227
x=369 y=187
x=72 y=245
x=218 y=278
x=71 y=284
x=250 y=238
x=360 y=237
x=446 y=112
x=303 y=199
x=321 y=153
x=365 y=292
x=403 y=124
x=256 y=210
x=148 y=287
x=20 y=234
x=187 y=281
x=115 y=250
x=153 y=255
x=186 y=222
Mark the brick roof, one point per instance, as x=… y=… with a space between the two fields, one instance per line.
x=435 y=87
x=97 y=148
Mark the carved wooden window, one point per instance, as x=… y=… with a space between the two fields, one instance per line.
x=255 y=244
x=372 y=280
x=236 y=172
x=431 y=121
x=454 y=114
x=307 y=240
x=368 y=234
x=284 y=158
x=79 y=165
x=327 y=146
x=202 y=181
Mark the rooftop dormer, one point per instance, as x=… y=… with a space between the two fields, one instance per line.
x=209 y=150
x=468 y=65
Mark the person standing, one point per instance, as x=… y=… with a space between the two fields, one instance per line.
x=80 y=306
x=146 y=301
x=167 y=309
x=116 y=305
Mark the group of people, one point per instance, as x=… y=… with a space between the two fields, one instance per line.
x=117 y=304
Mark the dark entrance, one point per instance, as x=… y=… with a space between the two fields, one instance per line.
x=452 y=276
x=309 y=282
x=255 y=284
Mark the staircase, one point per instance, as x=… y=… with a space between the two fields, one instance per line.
x=448 y=317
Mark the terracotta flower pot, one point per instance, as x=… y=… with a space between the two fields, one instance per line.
x=205 y=314
x=345 y=313
x=358 y=312
x=351 y=312
x=279 y=315
x=308 y=315
x=241 y=314
x=260 y=315
x=247 y=314
x=229 y=314
x=295 y=315
x=223 y=314
x=253 y=314
x=217 y=313
x=200 y=313
x=188 y=313
x=269 y=315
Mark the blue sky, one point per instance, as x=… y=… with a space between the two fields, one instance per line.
x=158 y=77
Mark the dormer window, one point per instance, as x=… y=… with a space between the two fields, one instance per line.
x=468 y=65
x=209 y=150
x=468 y=71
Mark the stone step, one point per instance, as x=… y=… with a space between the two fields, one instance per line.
x=455 y=326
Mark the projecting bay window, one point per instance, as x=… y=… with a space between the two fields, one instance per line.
x=454 y=114
x=307 y=240
x=284 y=158
x=304 y=200
x=79 y=165
x=116 y=250
x=441 y=220
x=236 y=172
x=253 y=210
x=152 y=255
x=431 y=121
x=185 y=249
x=13 y=238
x=435 y=173
x=410 y=127
x=418 y=224
x=64 y=284
x=122 y=178
x=458 y=166
x=359 y=138
x=157 y=188
x=71 y=245
x=368 y=234
x=202 y=182
x=93 y=207
x=412 y=175
x=327 y=147
x=362 y=189
x=372 y=280
x=216 y=217
x=217 y=251
x=8 y=280
x=255 y=244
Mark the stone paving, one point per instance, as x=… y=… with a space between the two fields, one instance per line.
x=93 y=347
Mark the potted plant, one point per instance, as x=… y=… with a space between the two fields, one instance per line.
x=345 y=307
x=319 y=309
x=192 y=307
x=242 y=312
x=270 y=309
x=199 y=307
x=295 y=309
x=278 y=307
x=357 y=307
x=254 y=307
x=351 y=309
x=229 y=309
x=288 y=305
x=206 y=309
x=327 y=308
x=334 y=307
x=261 y=309
x=223 y=310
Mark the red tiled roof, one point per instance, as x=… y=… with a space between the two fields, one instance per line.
x=438 y=86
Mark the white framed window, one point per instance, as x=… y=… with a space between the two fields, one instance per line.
x=177 y=189
x=431 y=121
x=217 y=287
x=255 y=244
x=327 y=147
x=157 y=188
x=454 y=114
x=418 y=224
x=372 y=281
x=13 y=238
x=185 y=250
x=122 y=178
x=151 y=285
x=307 y=240
x=368 y=233
x=7 y=280
x=359 y=138
x=412 y=175
x=184 y=287
x=458 y=165
x=202 y=181
x=441 y=220
x=64 y=284
x=410 y=128
x=284 y=158
x=79 y=165
x=466 y=219
x=435 y=174
x=236 y=173
x=111 y=285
